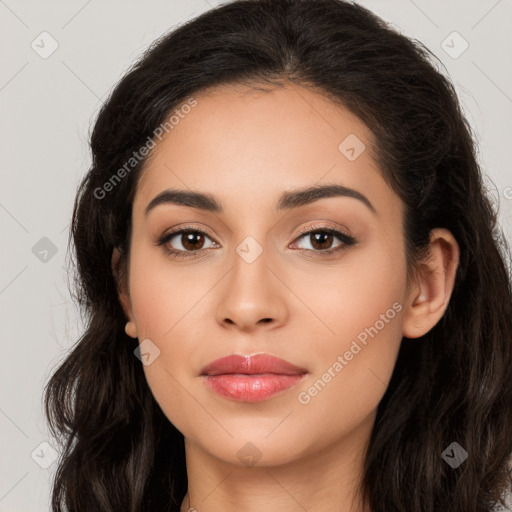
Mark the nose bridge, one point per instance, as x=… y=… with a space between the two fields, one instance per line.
x=250 y=261
x=251 y=292
x=252 y=247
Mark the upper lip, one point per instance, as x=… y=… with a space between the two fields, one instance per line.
x=250 y=365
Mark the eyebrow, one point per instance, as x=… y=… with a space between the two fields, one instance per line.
x=287 y=200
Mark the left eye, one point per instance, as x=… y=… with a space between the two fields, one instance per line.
x=322 y=240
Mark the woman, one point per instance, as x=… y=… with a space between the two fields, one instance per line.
x=297 y=293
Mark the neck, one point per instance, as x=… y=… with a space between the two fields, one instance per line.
x=324 y=479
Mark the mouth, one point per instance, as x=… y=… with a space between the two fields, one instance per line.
x=251 y=365
x=251 y=378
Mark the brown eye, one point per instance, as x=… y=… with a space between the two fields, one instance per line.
x=321 y=240
x=185 y=242
x=192 y=240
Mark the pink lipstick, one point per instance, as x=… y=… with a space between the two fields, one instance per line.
x=251 y=378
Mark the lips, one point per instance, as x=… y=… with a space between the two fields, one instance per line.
x=251 y=378
x=251 y=365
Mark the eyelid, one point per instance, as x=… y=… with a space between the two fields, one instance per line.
x=303 y=230
x=177 y=229
x=322 y=226
x=346 y=240
x=341 y=233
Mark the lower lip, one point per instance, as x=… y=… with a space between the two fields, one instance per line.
x=251 y=388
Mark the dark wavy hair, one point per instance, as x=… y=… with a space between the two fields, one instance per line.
x=454 y=384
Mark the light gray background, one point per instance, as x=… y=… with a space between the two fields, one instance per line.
x=47 y=107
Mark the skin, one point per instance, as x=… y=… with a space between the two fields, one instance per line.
x=246 y=147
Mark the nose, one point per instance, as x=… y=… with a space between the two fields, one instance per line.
x=253 y=295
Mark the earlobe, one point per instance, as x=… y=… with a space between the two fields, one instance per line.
x=431 y=293
x=130 y=329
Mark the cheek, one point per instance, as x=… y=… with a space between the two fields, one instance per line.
x=169 y=310
x=165 y=295
x=351 y=295
x=359 y=305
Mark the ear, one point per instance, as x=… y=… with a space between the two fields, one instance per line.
x=430 y=294
x=121 y=279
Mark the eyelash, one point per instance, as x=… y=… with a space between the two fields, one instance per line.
x=347 y=241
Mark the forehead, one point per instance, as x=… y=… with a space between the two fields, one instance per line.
x=243 y=145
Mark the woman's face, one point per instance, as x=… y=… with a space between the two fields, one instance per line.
x=257 y=283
